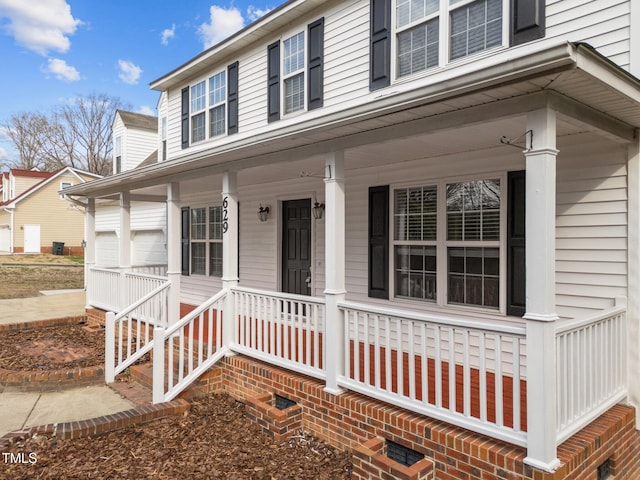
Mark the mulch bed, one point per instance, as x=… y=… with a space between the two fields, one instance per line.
x=215 y=440
x=51 y=348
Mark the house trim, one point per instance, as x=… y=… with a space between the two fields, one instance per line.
x=250 y=151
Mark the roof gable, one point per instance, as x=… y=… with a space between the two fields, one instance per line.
x=138 y=120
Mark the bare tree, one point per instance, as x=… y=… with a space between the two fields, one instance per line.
x=25 y=130
x=77 y=134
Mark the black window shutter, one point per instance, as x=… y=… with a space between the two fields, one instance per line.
x=379 y=241
x=273 y=82
x=185 y=240
x=185 y=117
x=380 y=44
x=527 y=20
x=516 y=287
x=232 y=98
x=315 y=73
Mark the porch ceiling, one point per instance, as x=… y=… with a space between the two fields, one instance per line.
x=470 y=113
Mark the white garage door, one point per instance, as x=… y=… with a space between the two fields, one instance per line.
x=149 y=248
x=107 y=249
x=5 y=238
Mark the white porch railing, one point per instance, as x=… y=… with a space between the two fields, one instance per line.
x=159 y=270
x=129 y=334
x=112 y=290
x=191 y=346
x=471 y=374
x=591 y=368
x=281 y=328
x=104 y=288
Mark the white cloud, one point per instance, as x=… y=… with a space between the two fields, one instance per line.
x=62 y=71
x=168 y=34
x=223 y=22
x=4 y=155
x=129 y=72
x=40 y=26
x=254 y=13
x=146 y=110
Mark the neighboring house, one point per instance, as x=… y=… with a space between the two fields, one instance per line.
x=135 y=138
x=34 y=214
x=135 y=145
x=384 y=196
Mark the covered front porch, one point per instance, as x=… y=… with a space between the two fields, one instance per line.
x=468 y=366
x=424 y=284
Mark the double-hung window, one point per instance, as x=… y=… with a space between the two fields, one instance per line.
x=430 y=33
x=217 y=104
x=415 y=235
x=206 y=241
x=198 y=111
x=463 y=259
x=293 y=67
x=474 y=26
x=473 y=243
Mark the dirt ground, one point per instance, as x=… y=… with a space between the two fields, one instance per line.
x=25 y=275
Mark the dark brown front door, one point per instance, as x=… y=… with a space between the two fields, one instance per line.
x=296 y=246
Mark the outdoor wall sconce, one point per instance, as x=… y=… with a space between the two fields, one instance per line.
x=263 y=213
x=84 y=244
x=318 y=209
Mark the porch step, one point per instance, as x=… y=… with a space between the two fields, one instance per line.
x=142 y=374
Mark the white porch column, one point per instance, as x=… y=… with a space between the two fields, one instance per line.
x=540 y=291
x=633 y=293
x=124 y=245
x=230 y=272
x=90 y=242
x=334 y=269
x=174 y=253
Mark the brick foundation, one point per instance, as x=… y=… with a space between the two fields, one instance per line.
x=96 y=317
x=280 y=424
x=350 y=420
x=370 y=462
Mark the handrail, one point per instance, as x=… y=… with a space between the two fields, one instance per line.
x=566 y=326
x=282 y=295
x=193 y=314
x=423 y=317
x=148 y=296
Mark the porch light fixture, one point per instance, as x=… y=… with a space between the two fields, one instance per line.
x=263 y=213
x=318 y=210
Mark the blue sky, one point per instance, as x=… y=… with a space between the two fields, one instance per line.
x=52 y=51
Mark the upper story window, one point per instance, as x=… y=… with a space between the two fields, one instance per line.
x=118 y=154
x=293 y=73
x=423 y=38
x=217 y=104
x=410 y=36
x=63 y=185
x=198 y=105
x=210 y=107
x=163 y=137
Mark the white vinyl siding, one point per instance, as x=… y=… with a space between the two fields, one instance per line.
x=136 y=144
x=604 y=24
x=591 y=226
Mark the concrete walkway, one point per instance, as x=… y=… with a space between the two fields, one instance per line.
x=20 y=410
x=45 y=307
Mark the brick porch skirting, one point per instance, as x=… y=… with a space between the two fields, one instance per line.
x=350 y=420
